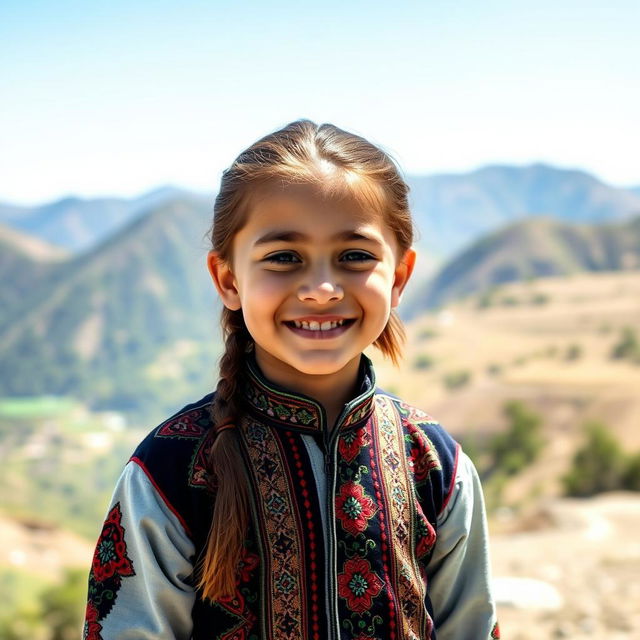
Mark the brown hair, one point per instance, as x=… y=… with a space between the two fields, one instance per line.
x=338 y=164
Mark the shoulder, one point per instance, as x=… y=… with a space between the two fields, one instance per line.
x=432 y=452
x=174 y=457
x=175 y=439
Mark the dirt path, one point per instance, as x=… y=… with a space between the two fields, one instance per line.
x=589 y=551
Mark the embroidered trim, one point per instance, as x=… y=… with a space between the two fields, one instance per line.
x=297 y=411
x=398 y=494
x=191 y=424
x=199 y=476
x=284 y=568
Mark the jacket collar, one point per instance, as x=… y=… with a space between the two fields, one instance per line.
x=295 y=411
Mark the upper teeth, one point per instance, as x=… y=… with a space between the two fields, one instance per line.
x=316 y=326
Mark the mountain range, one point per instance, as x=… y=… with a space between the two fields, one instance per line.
x=127 y=324
x=450 y=210
x=125 y=316
x=530 y=248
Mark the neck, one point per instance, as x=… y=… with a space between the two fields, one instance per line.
x=332 y=390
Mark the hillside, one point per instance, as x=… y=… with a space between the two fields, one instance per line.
x=78 y=224
x=532 y=248
x=548 y=344
x=130 y=324
x=451 y=210
x=25 y=263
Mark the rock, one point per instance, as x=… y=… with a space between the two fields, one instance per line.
x=526 y=593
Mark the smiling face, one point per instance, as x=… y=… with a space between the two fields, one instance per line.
x=316 y=280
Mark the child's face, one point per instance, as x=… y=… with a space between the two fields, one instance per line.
x=301 y=262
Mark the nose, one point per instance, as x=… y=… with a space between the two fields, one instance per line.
x=320 y=286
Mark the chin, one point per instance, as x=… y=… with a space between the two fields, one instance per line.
x=321 y=367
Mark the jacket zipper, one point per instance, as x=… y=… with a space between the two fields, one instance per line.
x=333 y=629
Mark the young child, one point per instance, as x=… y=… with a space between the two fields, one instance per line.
x=300 y=501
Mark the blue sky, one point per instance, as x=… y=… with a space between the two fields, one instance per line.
x=119 y=97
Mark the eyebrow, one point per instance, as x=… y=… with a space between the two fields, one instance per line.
x=295 y=236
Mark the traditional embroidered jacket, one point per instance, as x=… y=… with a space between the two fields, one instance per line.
x=373 y=529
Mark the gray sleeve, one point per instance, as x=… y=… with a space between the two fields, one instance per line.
x=459 y=573
x=145 y=592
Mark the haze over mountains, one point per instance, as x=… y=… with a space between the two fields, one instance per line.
x=77 y=224
x=450 y=209
x=532 y=248
x=126 y=318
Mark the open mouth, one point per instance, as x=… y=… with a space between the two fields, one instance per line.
x=314 y=329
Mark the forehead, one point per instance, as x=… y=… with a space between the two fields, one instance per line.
x=304 y=210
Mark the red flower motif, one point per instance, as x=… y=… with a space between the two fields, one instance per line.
x=358 y=584
x=422 y=463
x=351 y=442
x=110 y=557
x=354 y=508
x=426 y=535
x=92 y=628
x=248 y=562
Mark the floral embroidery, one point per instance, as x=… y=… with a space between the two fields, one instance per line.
x=110 y=564
x=92 y=627
x=423 y=458
x=248 y=563
x=358 y=585
x=294 y=411
x=110 y=557
x=426 y=536
x=187 y=425
x=199 y=477
x=354 y=508
x=351 y=442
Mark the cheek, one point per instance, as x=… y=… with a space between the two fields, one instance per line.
x=263 y=294
x=377 y=284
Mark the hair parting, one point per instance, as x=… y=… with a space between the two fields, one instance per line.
x=338 y=164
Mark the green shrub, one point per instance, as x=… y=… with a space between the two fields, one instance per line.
x=597 y=466
x=627 y=347
x=488 y=297
x=494 y=369
x=521 y=444
x=539 y=299
x=574 y=351
x=427 y=334
x=423 y=361
x=631 y=476
x=456 y=379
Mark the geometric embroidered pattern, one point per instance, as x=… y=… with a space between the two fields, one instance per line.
x=411 y=589
x=282 y=542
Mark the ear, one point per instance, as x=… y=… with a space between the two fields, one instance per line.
x=403 y=272
x=224 y=280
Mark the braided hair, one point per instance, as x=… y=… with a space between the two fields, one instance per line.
x=297 y=154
